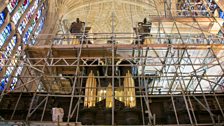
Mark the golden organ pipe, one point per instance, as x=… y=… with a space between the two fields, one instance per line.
x=109 y=96
x=90 y=91
x=126 y=95
x=129 y=91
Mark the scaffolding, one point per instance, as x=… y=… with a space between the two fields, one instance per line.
x=182 y=63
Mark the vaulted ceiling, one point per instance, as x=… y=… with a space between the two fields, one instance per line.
x=98 y=14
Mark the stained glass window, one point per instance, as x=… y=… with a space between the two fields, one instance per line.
x=33 y=23
x=12 y=5
x=25 y=21
x=5 y=34
x=5 y=80
x=2 y=18
x=2 y=62
x=39 y=29
x=10 y=69
x=20 y=11
x=15 y=79
x=10 y=47
x=221 y=14
x=40 y=26
x=12 y=63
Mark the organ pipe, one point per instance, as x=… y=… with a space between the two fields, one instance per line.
x=90 y=91
x=109 y=97
x=124 y=94
x=129 y=91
